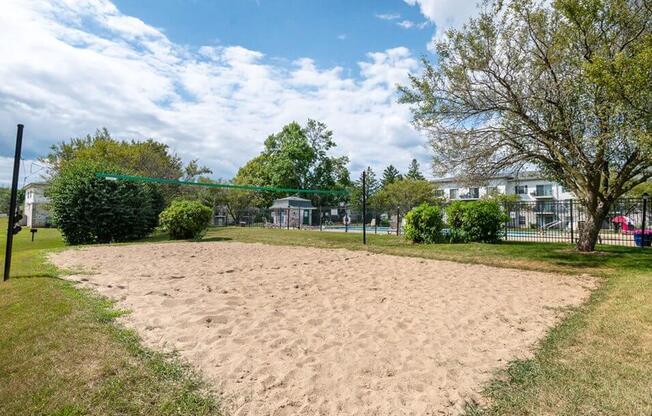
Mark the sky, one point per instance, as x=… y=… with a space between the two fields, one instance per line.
x=213 y=78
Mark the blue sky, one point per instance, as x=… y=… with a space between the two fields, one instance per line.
x=288 y=30
x=213 y=78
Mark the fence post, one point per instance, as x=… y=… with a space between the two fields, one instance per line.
x=572 y=223
x=398 y=219
x=375 y=222
x=319 y=213
x=288 y=218
x=643 y=225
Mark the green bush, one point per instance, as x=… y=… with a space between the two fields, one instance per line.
x=186 y=219
x=89 y=210
x=480 y=221
x=424 y=224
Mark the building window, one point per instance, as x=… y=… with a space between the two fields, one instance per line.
x=452 y=193
x=439 y=193
x=521 y=220
x=544 y=190
x=520 y=189
x=474 y=192
x=492 y=190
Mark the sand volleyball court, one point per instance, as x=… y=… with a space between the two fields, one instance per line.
x=292 y=330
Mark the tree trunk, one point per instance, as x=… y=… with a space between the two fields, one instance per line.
x=591 y=228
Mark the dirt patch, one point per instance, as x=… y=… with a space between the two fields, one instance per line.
x=292 y=330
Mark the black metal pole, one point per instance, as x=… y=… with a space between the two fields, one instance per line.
x=12 y=201
x=643 y=226
x=364 y=207
x=288 y=219
x=398 y=220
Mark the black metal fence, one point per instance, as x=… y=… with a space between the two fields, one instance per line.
x=547 y=220
x=629 y=222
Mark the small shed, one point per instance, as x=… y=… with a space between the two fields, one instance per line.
x=292 y=212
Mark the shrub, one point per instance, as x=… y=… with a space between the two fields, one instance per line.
x=424 y=224
x=88 y=209
x=186 y=219
x=480 y=221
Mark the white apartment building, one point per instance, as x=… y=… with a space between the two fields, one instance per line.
x=529 y=186
x=36 y=212
x=537 y=192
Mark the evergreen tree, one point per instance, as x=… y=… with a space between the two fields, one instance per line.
x=413 y=171
x=390 y=175
x=373 y=186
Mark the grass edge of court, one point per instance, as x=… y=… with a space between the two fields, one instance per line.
x=191 y=394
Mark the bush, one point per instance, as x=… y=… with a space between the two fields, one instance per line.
x=186 y=219
x=480 y=221
x=89 y=210
x=424 y=224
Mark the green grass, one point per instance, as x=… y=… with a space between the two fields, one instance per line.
x=61 y=352
x=598 y=361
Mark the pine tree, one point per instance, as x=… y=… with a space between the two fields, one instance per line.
x=413 y=171
x=372 y=188
x=372 y=183
x=390 y=175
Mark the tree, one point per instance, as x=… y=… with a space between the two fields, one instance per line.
x=148 y=158
x=564 y=86
x=390 y=175
x=145 y=158
x=414 y=172
x=405 y=195
x=640 y=189
x=88 y=209
x=5 y=199
x=372 y=187
x=297 y=157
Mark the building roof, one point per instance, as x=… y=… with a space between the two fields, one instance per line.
x=291 y=202
x=35 y=185
x=509 y=176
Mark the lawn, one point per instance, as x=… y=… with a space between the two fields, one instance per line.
x=61 y=352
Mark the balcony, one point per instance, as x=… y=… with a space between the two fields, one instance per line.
x=546 y=194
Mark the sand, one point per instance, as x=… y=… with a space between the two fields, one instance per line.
x=292 y=330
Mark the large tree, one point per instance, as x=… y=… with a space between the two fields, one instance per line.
x=297 y=157
x=147 y=157
x=565 y=86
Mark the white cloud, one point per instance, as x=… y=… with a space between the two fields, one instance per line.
x=30 y=171
x=406 y=24
x=62 y=77
x=446 y=14
x=387 y=16
x=342 y=36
